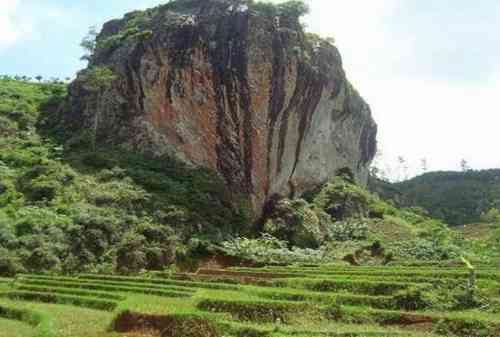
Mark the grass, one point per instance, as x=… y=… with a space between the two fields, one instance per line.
x=11 y=328
x=324 y=301
x=54 y=297
x=112 y=287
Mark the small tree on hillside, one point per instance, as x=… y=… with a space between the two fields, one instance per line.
x=491 y=217
x=89 y=44
x=97 y=80
x=464 y=165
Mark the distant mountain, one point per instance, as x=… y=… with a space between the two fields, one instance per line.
x=455 y=197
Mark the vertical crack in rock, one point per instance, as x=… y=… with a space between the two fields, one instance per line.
x=134 y=76
x=230 y=64
x=277 y=93
x=310 y=100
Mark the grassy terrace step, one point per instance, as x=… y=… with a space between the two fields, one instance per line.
x=5 y=280
x=363 y=271
x=202 y=325
x=351 y=334
x=86 y=302
x=375 y=288
x=221 y=279
x=162 y=281
x=256 y=311
x=71 y=291
x=380 y=302
x=22 y=315
x=252 y=274
x=292 y=268
x=104 y=287
x=268 y=282
x=448 y=323
x=39 y=278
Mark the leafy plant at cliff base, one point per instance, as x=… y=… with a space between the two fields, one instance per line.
x=270 y=250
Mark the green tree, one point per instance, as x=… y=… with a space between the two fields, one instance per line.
x=464 y=165
x=89 y=44
x=97 y=80
x=293 y=9
x=492 y=216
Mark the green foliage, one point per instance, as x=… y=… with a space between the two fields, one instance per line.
x=457 y=198
x=412 y=299
x=349 y=231
x=464 y=328
x=88 y=44
x=135 y=27
x=492 y=216
x=103 y=211
x=293 y=9
x=296 y=222
x=270 y=250
x=98 y=78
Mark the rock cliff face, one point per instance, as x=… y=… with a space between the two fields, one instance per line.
x=236 y=89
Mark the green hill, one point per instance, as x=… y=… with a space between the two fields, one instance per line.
x=457 y=198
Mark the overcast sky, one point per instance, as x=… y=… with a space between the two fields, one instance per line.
x=430 y=69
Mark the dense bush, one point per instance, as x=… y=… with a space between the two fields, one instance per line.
x=268 y=249
x=96 y=211
x=296 y=222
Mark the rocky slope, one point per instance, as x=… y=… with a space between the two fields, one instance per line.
x=234 y=87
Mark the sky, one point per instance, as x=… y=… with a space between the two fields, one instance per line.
x=429 y=69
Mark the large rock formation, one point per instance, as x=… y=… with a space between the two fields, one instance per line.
x=243 y=91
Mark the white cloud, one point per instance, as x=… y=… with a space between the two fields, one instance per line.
x=8 y=33
x=11 y=29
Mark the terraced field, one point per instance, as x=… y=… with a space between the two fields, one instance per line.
x=297 y=301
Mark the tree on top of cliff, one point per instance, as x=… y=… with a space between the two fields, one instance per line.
x=294 y=8
x=89 y=44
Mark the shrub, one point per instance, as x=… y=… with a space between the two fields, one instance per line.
x=41 y=259
x=492 y=216
x=333 y=312
x=293 y=9
x=348 y=231
x=10 y=264
x=296 y=222
x=412 y=299
x=464 y=328
x=268 y=249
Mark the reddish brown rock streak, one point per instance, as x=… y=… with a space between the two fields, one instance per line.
x=232 y=91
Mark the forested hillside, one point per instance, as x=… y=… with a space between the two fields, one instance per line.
x=457 y=198
x=65 y=206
